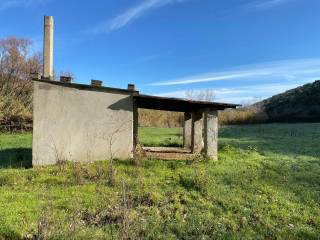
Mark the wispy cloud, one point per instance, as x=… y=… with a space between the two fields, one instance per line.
x=243 y=95
x=7 y=4
x=266 y=4
x=301 y=69
x=152 y=57
x=132 y=14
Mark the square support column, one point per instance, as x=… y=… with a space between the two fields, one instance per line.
x=187 y=131
x=135 y=123
x=197 y=130
x=211 y=134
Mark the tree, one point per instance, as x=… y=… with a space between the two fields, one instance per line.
x=17 y=61
x=201 y=95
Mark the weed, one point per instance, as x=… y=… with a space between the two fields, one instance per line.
x=139 y=155
x=5 y=180
x=197 y=180
x=111 y=175
x=79 y=173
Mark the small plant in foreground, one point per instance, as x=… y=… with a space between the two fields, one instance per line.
x=78 y=173
x=197 y=180
x=139 y=155
x=111 y=175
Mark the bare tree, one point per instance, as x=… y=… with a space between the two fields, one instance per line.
x=112 y=137
x=200 y=95
x=16 y=64
x=17 y=61
x=190 y=94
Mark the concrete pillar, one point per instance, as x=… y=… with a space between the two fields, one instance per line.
x=187 y=131
x=197 y=130
x=135 y=125
x=211 y=134
x=48 y=47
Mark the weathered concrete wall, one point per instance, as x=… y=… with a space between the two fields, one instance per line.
x=80 y=125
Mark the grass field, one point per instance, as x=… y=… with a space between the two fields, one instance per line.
x=161 y=137
x=265 y=185
x=15 y=151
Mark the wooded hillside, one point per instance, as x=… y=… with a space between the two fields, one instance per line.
x=301 y=104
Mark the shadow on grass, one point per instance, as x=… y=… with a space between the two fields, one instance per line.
x=164 y=144
x=7 y=233
x=285 y=139
x=16 y=158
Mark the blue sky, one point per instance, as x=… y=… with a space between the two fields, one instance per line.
x=242 y=49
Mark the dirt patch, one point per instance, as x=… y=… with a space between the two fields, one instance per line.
x=165 y=153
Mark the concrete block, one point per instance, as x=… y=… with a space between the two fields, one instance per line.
x=131 y=87
x=96 y=83
x=65 y=79
x=35 y=76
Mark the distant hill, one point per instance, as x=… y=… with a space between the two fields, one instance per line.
x=301 y=104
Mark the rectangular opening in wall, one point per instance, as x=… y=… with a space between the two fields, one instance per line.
x=161 y=134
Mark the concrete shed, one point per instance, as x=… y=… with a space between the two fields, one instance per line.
x=85 y=123
x=81 y=123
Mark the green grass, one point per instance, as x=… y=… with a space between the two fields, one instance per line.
x=15 y=150
x=265 y=185
x=160 y=137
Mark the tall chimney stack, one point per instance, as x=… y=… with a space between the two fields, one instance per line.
x=48 y=48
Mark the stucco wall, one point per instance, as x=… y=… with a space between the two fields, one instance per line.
x=80 y=125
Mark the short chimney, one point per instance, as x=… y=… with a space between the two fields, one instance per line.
x=96 y=83
x=131 y=87
x=48 y=48
x=65 y=79
x=35 y=76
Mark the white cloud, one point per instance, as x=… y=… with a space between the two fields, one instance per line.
x=301 y=69
x=245 y=94
x=7 y=4
x=265 y=4
x=133 y=14
x=152 y=57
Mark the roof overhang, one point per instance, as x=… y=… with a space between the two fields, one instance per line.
x=87 y=87
x=178 y=104
x=151 y=102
